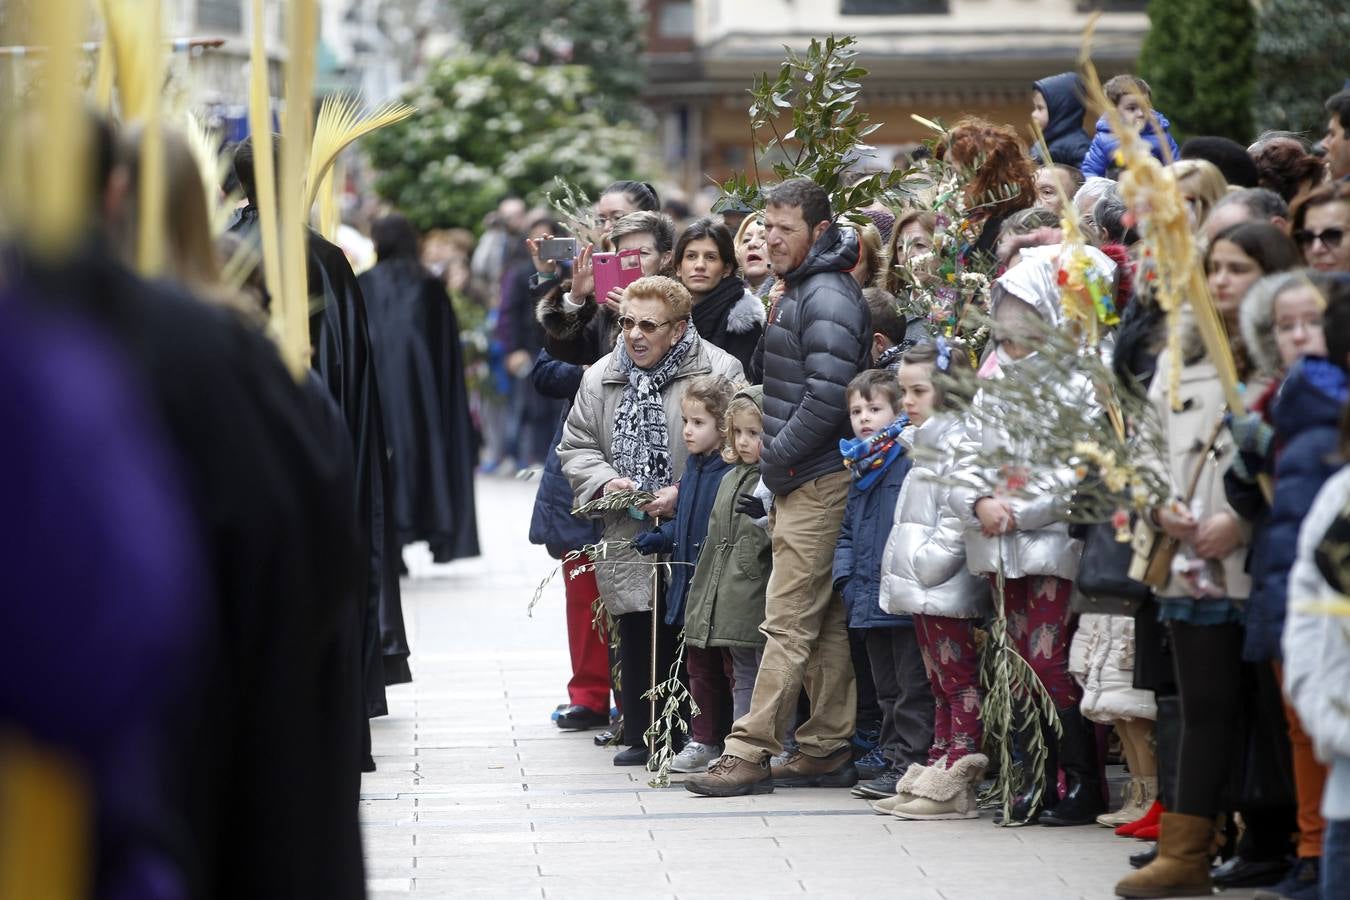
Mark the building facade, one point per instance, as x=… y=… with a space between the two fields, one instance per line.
x=937 y=58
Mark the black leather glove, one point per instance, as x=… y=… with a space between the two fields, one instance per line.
x=752 y=506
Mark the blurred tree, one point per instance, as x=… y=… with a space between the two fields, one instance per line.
x=1197 y=57
x=605 y=35
x=1300 y=62
x=488 y=127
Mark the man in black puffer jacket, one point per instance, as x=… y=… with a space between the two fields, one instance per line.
x=817 y=341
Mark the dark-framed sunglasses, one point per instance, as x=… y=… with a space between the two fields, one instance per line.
x=646 y=326
x=1330 y=237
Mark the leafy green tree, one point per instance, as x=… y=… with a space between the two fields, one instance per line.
x=1197 y=57
x=1300 y=61
x=605 y=35
x=488 y=127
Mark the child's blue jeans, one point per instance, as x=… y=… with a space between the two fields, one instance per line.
x=1336 y=860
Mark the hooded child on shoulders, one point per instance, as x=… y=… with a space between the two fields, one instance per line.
x=1133 y=99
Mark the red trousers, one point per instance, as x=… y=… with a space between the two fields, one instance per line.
x=589 y=685
x=710 y=683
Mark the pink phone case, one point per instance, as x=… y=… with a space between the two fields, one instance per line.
x=615 y=270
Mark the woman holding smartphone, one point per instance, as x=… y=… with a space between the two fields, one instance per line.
x=578 y=326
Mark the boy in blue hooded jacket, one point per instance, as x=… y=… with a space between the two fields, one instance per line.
x=1133 y=99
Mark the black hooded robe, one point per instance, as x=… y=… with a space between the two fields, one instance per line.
x=264 y=770
x=420 y=365
x=346 y=363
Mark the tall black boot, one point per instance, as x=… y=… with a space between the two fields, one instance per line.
x=1083 y=801
x=1167 y=735
x=1027 y=806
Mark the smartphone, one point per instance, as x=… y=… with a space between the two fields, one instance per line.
x=615 y=270
x=558 y=249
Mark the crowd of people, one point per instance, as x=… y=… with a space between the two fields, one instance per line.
x=778 y=462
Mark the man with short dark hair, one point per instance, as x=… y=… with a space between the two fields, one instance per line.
x=888 y=328
x=1336 y=142
x=815 y=344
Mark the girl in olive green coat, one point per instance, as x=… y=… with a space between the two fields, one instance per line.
x=725 y=606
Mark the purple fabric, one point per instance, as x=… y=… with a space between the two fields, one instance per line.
x=103 y=579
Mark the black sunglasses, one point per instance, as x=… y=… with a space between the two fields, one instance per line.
x=1331 y=237
x=646 y=326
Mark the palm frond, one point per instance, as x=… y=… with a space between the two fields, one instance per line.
x=340 y=123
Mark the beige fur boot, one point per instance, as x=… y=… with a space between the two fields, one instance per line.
x=945 y=793
x=1139 y=796
x=902 y=788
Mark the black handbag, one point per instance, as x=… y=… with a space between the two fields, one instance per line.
x=1104 y=584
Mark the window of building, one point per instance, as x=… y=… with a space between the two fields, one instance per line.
x=892 y=7
x=677 y=19
x=227 y=15
x=1113 y=5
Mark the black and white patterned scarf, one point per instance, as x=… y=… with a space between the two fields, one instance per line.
x=641 y=443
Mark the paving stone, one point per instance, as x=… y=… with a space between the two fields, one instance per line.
x=478 y=794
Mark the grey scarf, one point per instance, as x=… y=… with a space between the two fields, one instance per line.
x=641 y=443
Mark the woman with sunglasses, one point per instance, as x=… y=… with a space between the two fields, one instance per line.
x=618 y=437
x=725 y=313
x=1321 y=226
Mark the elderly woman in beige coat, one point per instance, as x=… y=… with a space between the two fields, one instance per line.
x=624 y=433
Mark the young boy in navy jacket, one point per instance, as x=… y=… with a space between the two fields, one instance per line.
x=879 y=465
x=704 y=408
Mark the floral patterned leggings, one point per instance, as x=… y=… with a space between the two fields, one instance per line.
x=1038 y=624
x=953 y=664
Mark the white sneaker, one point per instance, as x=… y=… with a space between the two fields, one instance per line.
x=695 y=757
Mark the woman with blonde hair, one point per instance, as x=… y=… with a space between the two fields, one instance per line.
x=1202 y=184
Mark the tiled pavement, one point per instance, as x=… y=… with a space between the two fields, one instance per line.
x=479 y=795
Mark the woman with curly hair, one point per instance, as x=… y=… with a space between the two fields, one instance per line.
x=1001 y=175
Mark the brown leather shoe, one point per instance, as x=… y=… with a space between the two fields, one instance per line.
x=731 y=776
x=800 y=770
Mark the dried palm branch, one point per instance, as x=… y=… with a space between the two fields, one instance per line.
x=293 y=210
x=264 y=169
x=50 y=194
x=340 y=123
x=212 y=164
x=1171 y=254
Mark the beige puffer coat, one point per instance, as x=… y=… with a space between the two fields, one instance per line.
x=585 y=455
x=1101 y=660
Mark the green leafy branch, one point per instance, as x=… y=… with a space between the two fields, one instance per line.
x=672 y=696
x=1015 y=702
x=828 y=134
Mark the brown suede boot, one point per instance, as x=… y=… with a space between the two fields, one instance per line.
x=800 y=770
x=1182 y=867
x=731 y=776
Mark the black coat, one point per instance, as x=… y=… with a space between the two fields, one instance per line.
x=1064 y=135
x=817 y=343
x=265 y=768
x=731 y=319
x=581 y=336
x=420 y=365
